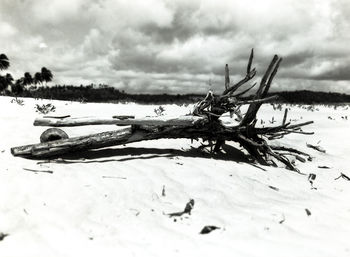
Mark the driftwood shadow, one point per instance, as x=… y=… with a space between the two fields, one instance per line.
x=132 y=153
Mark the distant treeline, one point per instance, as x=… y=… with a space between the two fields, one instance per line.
x=103 y=94
x=311 y=97
x=109 y=94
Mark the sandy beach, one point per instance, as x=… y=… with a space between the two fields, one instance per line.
x=115 y=201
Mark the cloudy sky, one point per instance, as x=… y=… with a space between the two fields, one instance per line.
x=178 y=46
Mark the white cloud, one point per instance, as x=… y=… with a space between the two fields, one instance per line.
x=178 y=45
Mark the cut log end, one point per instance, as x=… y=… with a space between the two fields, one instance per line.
x=53 y=134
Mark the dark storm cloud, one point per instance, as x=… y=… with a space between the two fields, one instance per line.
x=335 y=73
x=178 y=46
x=297 y=58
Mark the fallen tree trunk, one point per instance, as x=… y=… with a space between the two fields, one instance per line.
x=203 y=124
x=182 y=121
x=75 y=144
x=213 y=131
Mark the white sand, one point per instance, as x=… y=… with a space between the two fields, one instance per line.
x=76 y=211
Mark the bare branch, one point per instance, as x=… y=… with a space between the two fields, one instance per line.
x=285 y=116
x=250 y=74
x=273 y=74
x=245 y=91
x=262 y=100
x=249 y=66
x=227 y=77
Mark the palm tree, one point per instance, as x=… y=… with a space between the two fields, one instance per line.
x=17 y=88
x=4 y=62
x=2 y=83
x=9 y=78
x=38 y=78
x=5 y=81
x=28 y=79
x=46 y=75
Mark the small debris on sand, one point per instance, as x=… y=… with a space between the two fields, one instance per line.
x=163 y=191
x=323 y=167
x=342 y=175
x=113 y=177
x=2 y=236
x=311 y=178
x=308 y=212
x=36 y=171
x=188 y=208
x=208 y=229
x=274 y=188
x=282 y=220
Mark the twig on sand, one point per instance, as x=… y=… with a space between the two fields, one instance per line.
x=323 y=167
x=57 y=117
x=3 y=235
x=36 y=171
x=311 y=178
x=282 y=220
x=137 y=212
x=308 y=212
x=316 y=147
x=274 y=188
x=208 y=229
x=188 y=208
x=113 y=177
x=342 y=175
x=163 y=191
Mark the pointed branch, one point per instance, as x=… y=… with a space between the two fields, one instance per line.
x=267 y=75
x=227 y=77
x=288 y=149
x=299 y=125
x=245 y=91
x=262 y=100
x=285 y=116
x=271 y=77
x=249 y=66
x=262 y=91
x=250 y=74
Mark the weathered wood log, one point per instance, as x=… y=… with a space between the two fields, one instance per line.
x=110 y=138
x=52 y=134
x=182 y=121
x=76 y=143
x=211 y=131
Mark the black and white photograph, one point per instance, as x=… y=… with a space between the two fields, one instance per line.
x=174 y=128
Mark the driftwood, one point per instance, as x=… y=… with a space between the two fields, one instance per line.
x=36 y=171
x=182 y=121
x=188 y=208
x=208 y=229
x=342 y=175
x=204 y=123
x=316 y=147
x=76 y=143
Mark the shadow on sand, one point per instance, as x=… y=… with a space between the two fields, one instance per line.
x=229 y=153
